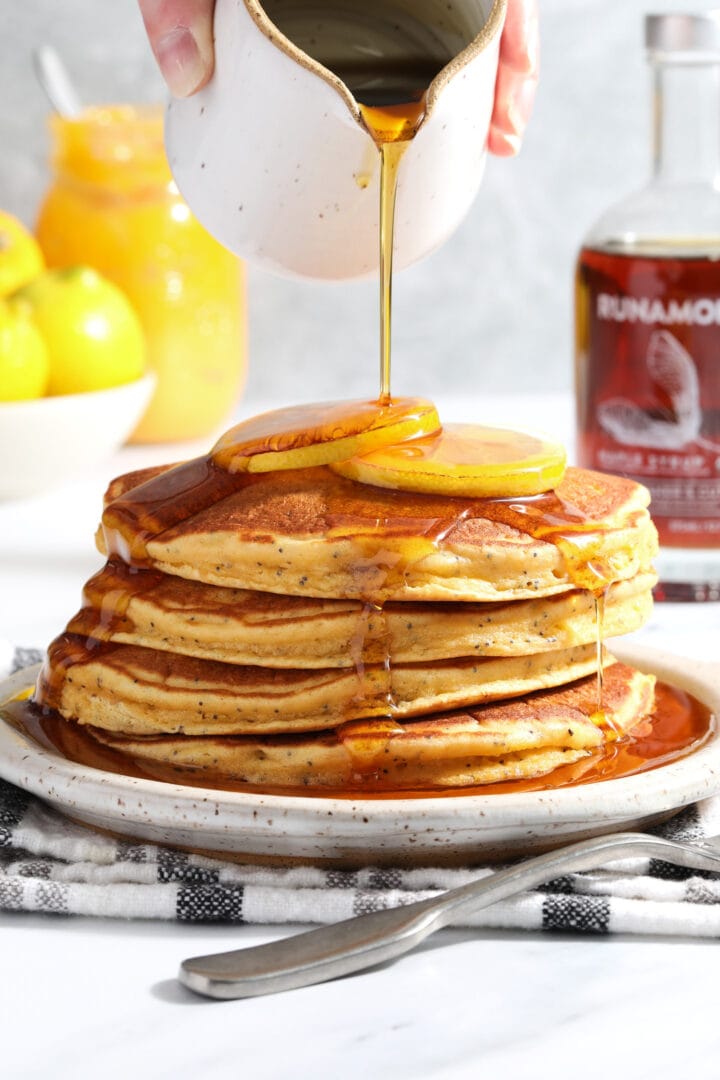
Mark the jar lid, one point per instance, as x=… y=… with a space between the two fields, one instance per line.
x=693 y=38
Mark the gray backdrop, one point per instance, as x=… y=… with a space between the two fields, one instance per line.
x=492 y=309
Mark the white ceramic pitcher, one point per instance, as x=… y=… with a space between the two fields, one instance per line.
x=275 y=160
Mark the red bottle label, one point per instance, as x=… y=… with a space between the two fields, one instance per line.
x=648 y=383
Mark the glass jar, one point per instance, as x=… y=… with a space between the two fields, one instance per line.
x=648 y=315
x=113 y=205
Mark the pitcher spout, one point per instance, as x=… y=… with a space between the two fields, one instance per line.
x=380 y=52
x=274 y=157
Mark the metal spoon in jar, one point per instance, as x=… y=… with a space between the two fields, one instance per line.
x=52 y=75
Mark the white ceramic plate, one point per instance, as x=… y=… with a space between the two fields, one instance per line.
x=461 y=829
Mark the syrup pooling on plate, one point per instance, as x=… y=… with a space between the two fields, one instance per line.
x=678 y=725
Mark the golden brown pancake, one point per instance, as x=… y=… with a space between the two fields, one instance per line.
x=300 y=630
x=242 y=626
x=309 y=532
x=520 y=739
x=127 y=688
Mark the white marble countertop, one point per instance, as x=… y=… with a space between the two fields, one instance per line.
x=88 y=997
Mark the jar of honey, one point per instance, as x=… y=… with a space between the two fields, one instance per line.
x=113 y=205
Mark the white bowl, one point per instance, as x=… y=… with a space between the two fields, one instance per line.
x=49 y=440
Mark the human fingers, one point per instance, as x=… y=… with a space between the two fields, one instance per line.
x=181 y=37
x=517 y=77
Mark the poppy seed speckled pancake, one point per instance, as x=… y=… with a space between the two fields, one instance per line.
x=127 y=688
x=156 y=610
x=515 y=740
x=310 y=532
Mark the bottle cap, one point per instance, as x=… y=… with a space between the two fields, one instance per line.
x=692 y=38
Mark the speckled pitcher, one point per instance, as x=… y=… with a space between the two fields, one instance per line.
x=273 y=155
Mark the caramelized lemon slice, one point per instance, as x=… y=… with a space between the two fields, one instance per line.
x=463 y=459
x=302 y=436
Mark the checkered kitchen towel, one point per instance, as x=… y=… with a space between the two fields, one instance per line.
x=51 y=865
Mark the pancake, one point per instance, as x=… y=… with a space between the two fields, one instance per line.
x=516 y=740
x=310 y=532
x=296 y=629
x=131 y=689
x=242 y=626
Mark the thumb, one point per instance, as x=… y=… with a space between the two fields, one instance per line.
x=181 y=38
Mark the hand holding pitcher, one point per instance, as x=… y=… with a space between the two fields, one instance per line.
x=273 y=155
x=180 y=33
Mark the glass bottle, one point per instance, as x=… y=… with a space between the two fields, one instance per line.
x=648 y=315
x=113 y=205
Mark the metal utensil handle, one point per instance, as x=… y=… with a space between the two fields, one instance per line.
x=329 y=952
x=55 y=81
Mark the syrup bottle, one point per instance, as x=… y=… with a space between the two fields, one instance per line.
x=648 y=315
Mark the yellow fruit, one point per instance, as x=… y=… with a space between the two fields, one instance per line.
x=113 y=206
x=306 y=435
x=93 y=336
x=20 y=256
x=464 y=459
x=24 y=364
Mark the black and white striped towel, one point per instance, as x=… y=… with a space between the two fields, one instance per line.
x=49 y=864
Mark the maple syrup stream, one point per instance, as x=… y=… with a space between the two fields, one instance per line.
x=392 y=128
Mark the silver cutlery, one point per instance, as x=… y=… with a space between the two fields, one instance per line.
x=330 y=952
x=55 y=80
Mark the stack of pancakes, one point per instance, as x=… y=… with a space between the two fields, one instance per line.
x=300 y=630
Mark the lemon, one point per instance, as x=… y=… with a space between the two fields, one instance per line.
x=303 y=436
x=93 y=336
x=464 y=459
x=24 y=364
x=20 y=256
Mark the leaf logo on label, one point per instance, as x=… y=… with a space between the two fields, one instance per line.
x=674 y=373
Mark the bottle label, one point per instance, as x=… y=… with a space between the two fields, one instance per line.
x=649 y=383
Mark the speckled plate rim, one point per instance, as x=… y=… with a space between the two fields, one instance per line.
x=345 y=831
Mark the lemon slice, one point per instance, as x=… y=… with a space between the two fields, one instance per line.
x=302 y=436
x=463 y=459
x=21 y=259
